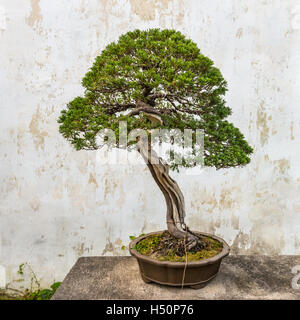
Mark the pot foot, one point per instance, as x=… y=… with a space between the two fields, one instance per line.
x=145 y=279
x=198 y=286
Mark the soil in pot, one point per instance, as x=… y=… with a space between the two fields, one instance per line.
x=165 y=247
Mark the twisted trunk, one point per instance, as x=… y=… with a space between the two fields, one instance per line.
x=173 y=195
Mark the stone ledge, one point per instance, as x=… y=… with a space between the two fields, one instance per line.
x=240 y=277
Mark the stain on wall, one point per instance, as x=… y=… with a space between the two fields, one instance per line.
x=35 y=15
x=38 y=135
x=147 y=9
x=262 y=123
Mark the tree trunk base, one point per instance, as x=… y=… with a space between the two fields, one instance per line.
x=172 y=193
x=191 y=239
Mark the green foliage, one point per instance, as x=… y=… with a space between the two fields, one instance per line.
x=166 y=71
x=147 y=245
x=41 y=294
x=34 y=292
x=134 y=237
x=152 y=246
x=29 y=294
x=21 y=267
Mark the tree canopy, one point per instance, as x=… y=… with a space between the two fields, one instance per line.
x=163 y=72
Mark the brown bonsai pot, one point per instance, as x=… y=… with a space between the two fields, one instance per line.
x=197 y=273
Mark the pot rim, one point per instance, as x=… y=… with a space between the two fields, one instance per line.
x=225 y=251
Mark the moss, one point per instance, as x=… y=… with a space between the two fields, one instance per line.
x=147 y=245
x=153 y=246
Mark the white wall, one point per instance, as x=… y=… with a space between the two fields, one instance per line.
x=58 y=204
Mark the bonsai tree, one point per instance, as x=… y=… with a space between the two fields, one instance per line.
x=157 y=79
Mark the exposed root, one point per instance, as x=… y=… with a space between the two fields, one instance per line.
x=169 y=242
x=166 y=247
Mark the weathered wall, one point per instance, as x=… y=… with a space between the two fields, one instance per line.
x=58 y=204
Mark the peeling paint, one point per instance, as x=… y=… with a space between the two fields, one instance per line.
x=282 y=165
x=262 y=123
x=147 y=9
x=292 y=131
x=239 y=33
x=10 y=183
x=34 y=128
x=226 y=202
x=35 y=13
x=112 y=248
x=92 y=179
x=81 y=249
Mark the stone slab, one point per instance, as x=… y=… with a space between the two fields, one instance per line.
x=240 y=277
